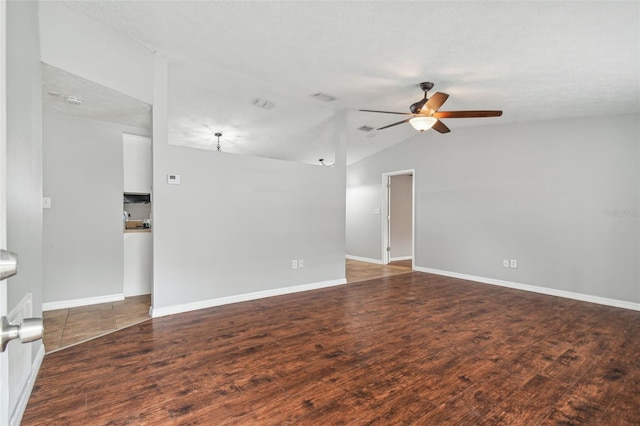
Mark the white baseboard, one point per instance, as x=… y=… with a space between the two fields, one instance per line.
x=364 y=259
x=536 y=289
x=144 y=293
x=177 y=309
x=395 y=259
x=64 y=304
x=21 y=405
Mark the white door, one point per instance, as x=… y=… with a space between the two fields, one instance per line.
x=15 y=361
x=4 y=357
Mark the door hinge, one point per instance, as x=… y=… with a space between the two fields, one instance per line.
x=388 y=248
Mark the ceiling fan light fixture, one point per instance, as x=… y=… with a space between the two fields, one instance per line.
x=422 y=123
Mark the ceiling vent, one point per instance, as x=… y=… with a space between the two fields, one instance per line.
x=365 y=128
x=324 y=97
x=261 y=103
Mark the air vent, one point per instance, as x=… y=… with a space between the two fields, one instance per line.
x=365 y=128
x=261 y=103
x=324 y=97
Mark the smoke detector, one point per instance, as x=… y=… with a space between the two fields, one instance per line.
x=73 y=100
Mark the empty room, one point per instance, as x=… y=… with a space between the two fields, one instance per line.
x=320 y=212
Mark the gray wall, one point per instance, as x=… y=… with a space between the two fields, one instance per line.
x=401 y=215
x=561 y=197
x=83 y=175
x=235 y=223
x=24 y=154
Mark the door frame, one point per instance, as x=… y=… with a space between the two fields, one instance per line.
x=386 y=214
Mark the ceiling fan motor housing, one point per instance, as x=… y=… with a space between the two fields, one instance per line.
x=415 y=108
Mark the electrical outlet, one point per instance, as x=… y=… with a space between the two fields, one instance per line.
x=301 y=263
x=46 y=202
x=294 y=264
x=513 y=263
x=505 y=263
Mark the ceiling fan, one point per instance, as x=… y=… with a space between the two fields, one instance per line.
x=425 y=115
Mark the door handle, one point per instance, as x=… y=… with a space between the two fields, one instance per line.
x=29 y=331
x=8 y=264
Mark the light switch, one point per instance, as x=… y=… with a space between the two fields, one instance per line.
x=173 y=179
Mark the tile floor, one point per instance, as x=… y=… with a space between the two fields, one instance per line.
x=362 y=271
x=66 y=327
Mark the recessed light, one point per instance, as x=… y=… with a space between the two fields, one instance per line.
x=365 y=128
x=73 y=100
x=323 y=97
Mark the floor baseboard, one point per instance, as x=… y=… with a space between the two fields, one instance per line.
x=65 y=304
x=176 y=309
x=364 y=259
x=535 y=289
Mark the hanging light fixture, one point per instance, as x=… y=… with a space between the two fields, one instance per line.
x=422 y=123
x=218 y=135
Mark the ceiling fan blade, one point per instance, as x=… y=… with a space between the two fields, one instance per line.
x=385 y=112
x=440 y=127
x=434 y=103
x=466 y=114
x=394 y=124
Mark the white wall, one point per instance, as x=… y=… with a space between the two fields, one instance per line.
x=83 y=175
x=401 y=216
x=235 y=223
x=246 y=218
x=561 y=197
x=24 y=154
x=92 y=50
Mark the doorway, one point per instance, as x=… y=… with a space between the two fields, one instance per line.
x=87 y=255
x=398 y=233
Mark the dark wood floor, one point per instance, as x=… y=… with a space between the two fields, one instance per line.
x=408 y=349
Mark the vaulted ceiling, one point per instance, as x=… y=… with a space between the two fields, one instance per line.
x=533 y=60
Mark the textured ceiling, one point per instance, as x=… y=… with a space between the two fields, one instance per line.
x=98 y=102
x=533 y=60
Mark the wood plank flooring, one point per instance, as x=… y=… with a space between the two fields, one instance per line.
x=413 y=349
